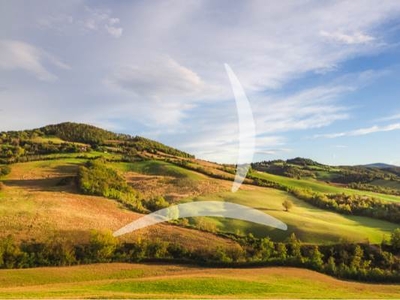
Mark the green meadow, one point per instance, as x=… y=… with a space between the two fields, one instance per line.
x=171 y=281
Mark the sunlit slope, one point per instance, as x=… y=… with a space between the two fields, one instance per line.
x=169 y=281
x=312 y=225
x=319 y=186
x=34 y=206
x=34 y=203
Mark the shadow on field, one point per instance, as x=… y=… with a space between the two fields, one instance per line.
x=69 y=169
x=63 y=183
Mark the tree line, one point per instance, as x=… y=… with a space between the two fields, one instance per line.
x=351 y=204
x=374 y=188
x=344 y=260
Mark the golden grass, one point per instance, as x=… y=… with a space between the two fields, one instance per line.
x=35 y=208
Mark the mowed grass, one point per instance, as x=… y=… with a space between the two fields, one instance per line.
x=310 y=224
x=321 y=187
x=172 y=281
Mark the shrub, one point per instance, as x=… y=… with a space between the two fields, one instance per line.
x=4 y=170
x=157 y=203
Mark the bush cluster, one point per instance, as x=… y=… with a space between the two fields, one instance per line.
x=95 y=178
x=363 y=262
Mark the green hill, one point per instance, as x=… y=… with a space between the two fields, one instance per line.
x=60 y=182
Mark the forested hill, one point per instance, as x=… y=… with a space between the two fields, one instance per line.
x=82 y=133
x=74 y=138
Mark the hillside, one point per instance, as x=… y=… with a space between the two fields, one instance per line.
x=380 y=166
x=373 y=177
x=72 y=138
x=71 y=183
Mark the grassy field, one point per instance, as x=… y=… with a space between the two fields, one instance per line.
x=34 y=205
x=311 y=224
x=154 y=167
x=387 y=183
x=322 y=187
x=171 y=281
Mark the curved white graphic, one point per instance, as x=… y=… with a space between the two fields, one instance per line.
x=247 y=135
x=203 y=209
x=247 y=131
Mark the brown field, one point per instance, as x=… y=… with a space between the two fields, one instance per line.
x=174 y=189
x=34 y=207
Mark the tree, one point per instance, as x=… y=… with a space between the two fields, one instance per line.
x=266 y=249
x=287 y=204
x=295 y=247
x=395 y=239
x=330 y=266
x=357 y=257
x=102 y=246
x=281 y=251
x=316 y=258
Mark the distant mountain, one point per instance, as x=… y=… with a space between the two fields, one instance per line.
x=380 y=166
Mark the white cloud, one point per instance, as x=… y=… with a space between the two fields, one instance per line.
x=168 y=67
x=98 y=18
x=91 y=20
x=114 y=31
x=361 y=131
x=350 y=39
x=160 y=77
x=20 y=55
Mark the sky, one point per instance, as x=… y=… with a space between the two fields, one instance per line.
x=322 y=77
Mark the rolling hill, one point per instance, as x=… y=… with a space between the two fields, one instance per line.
x=42 y=199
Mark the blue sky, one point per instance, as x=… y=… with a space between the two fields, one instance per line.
x=322 y=77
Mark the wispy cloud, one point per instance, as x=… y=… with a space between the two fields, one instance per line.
x=162 y=76
x=361 y=131
x=350 y=39
x=91 y=20
x=99 y=19
x=164 y=72
x=20 y=55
